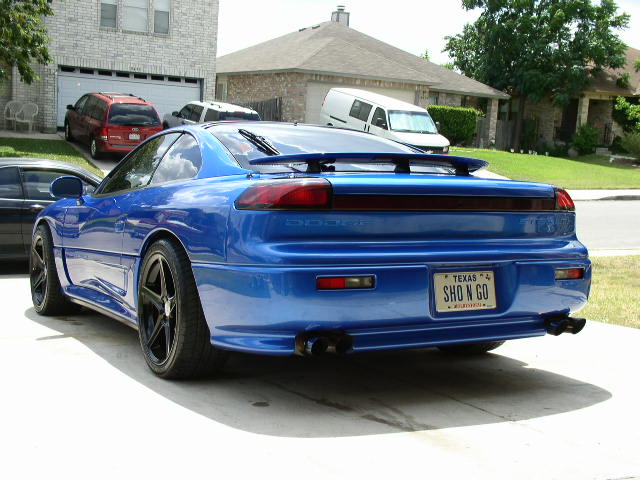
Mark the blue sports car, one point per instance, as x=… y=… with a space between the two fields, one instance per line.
x=284 y=239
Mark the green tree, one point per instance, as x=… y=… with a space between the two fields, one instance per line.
x=425 y=55
x=539 y=48
x=627 y=114
x=23 y=37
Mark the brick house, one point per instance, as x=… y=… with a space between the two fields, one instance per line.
x=593 y=107
x=162 y=50
x=302 y=66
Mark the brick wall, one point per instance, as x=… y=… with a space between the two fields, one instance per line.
x=5 y=94
x=549 y=118
x=78 y=40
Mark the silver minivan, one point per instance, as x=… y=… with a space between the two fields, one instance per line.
x=382 y=116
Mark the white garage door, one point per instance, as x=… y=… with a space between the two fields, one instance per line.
x=166 y=93
x=317 y=91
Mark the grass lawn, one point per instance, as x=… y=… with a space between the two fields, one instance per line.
x=587 y=172
x=51 y=149
x=614 y=291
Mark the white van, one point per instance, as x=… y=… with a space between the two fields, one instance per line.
x=382 y=116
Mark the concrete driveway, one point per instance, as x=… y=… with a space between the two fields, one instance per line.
x=78 y=402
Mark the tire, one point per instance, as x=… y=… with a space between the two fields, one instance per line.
x=46 y=292
x=95 y=152
x=165 y=125
x=67 y=132
x=468 y=349
x=173 y=333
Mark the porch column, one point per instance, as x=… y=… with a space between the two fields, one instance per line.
x=583 y=111
x=492 y=122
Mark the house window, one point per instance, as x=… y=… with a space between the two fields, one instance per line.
x=136 y=15
x=108 y=13
x=433 y=98
x=161 y=10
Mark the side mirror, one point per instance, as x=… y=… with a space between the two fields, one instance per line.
x=438 y=126
x=67 y=187
x=70 y=107
x=175 y=114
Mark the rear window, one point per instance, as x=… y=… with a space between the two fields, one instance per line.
x=133 y=114
x=294 y=139
x=238 y=116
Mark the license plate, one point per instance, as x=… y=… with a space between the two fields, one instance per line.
x=134 y=136
x=460 y=291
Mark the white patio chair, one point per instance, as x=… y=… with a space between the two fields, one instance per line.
x=27 y=114
x=10 y=110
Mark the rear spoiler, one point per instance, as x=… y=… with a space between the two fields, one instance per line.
x=317 y=162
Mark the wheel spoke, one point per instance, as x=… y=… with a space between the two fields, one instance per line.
x=163 y=280
x=167 y=336
x=38 y=257
x=153 y=297
x=157 y=328
x=37 y=283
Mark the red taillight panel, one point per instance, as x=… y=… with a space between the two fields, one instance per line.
x=564 y=200
x=287 y=194
x=345 y=283
x=569 y=273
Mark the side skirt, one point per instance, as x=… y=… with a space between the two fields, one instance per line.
x=103 y=311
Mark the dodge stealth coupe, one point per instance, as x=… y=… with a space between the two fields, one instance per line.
x=283 y=239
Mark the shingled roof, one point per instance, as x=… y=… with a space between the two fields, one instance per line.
x=335 y=49
x=606 y=81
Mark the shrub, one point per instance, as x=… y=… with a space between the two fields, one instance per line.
x=631 y=143
x=585 y=139
x=627 y=113
x=616 y=145
x=458 y=124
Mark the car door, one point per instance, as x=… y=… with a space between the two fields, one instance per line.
x=94 y=228
x=359 y=115
x=379 y=124
x=84 y=123
x=185 y=115
x=11 y=200
x=36 y=182
x=74 y=117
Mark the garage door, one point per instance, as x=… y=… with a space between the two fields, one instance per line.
x=166 y=93
x=317 y=91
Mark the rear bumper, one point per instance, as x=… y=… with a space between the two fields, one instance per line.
x=263 y=309
x=108 y=147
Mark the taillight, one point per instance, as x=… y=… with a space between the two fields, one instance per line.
x=287 y=194
x=569 y=273
x=104 y=134
x=564 y=201
x=344 y=283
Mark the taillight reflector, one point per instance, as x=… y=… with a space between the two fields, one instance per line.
x=569 y=273
x=564 y=201
x=344 y=283
x=287 y=194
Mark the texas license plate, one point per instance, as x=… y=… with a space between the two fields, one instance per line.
x=134 y=136
x=460 y=291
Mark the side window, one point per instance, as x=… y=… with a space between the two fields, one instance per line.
x=379 y=118
x=185 y=112
x=196 y=113
x=37 y=183
x=211 y=115
x=138 y=167
x=10 y=183
x=89 y=106
x=99 y=110
x=360 y=110
x=182 y=161
x=80 y=103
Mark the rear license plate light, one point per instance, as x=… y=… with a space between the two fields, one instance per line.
x=345 y=283
x=569 y=273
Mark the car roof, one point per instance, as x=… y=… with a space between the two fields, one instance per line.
x=114 y=97
x=47 y=163
x=387 y=102
x=224 y=107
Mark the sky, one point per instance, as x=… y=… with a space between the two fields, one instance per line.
x=412 y=25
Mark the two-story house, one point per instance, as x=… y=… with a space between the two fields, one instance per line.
x=161 y=50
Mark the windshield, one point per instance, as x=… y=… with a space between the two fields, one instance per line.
x=133 y=114
x=414 y=122
x=296 y=139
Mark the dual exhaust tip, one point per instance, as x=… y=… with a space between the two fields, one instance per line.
x=559 y=324
x=319 y=344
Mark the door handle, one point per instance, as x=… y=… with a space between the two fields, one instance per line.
x=119 y=225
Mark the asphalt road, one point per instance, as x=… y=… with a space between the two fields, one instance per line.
x=78 y=402
x=609 y=224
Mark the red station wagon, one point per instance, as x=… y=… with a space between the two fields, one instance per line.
x=110 y=122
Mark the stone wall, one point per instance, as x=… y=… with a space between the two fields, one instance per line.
x=549 y=118
x=78 y=40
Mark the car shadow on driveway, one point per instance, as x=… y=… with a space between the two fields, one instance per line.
x=362 y=394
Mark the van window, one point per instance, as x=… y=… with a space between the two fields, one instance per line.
x=360 y=110
x=196 y=111
x=211 y=115
x=379 y=118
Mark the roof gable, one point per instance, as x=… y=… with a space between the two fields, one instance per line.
x=606 y=81
x=331 y=47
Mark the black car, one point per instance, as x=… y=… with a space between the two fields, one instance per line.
x=24 y=191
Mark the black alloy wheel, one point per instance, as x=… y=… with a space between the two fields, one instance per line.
x=158 y=310
x=173 y=333
x=46 y=292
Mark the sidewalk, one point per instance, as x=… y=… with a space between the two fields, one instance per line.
x=583 y=195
